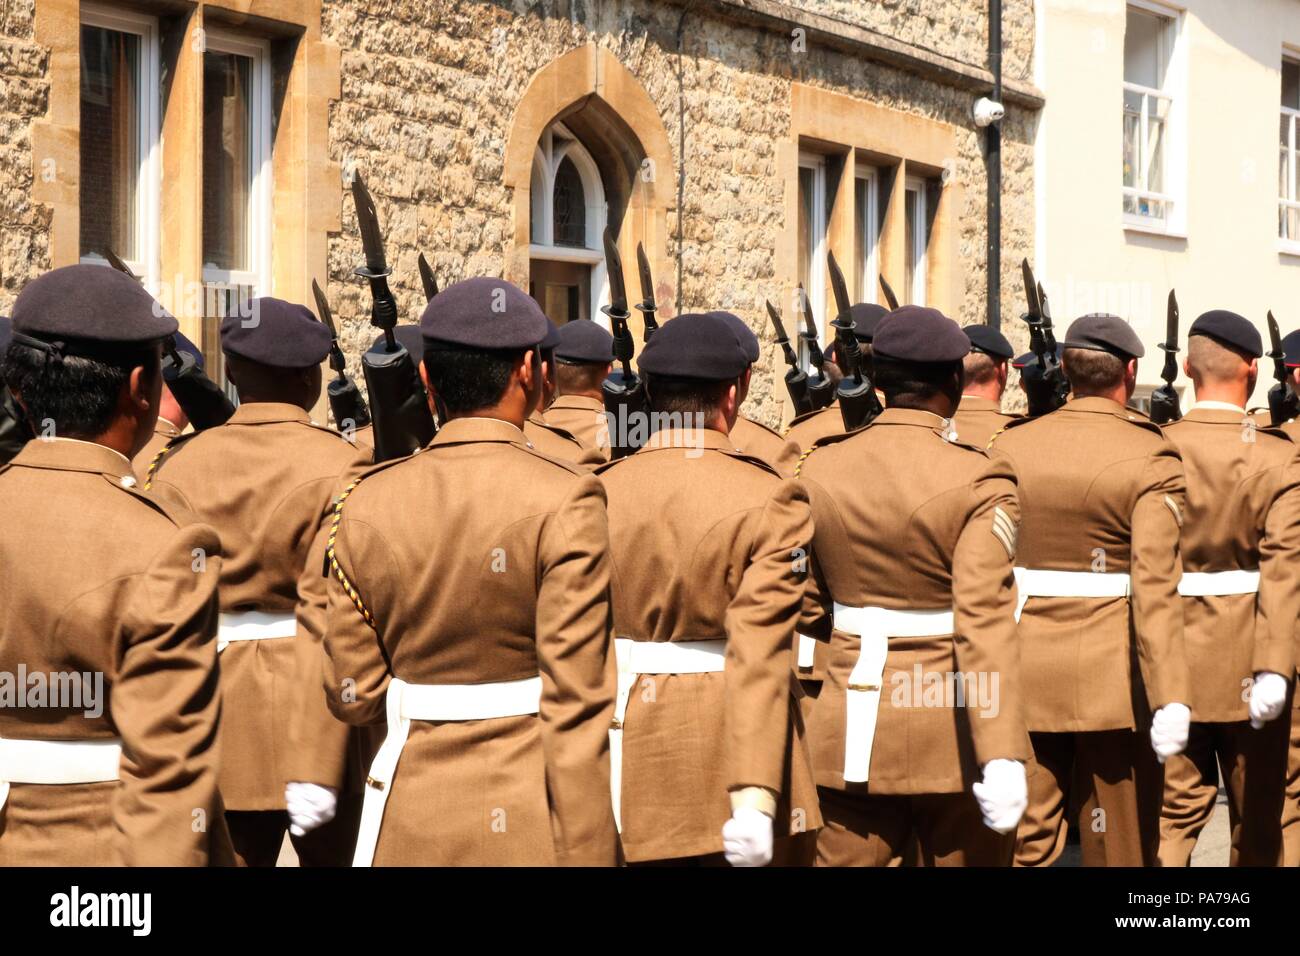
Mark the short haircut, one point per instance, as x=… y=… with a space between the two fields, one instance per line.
x=1092 y=372
x=578 y=378
x=671 y=395
x=908 y=384
x=469 y=379
x=1213 y=360
x=981 y=368
x=76 y=393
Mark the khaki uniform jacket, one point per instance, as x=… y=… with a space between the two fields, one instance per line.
x=979 y=419
x=507 y=577
x=266 y=481
x=163 y=432
x=708 y=543
x=1243 y=511
x=583 y=418
x=759 y=441
x=805 y=430
x=932 y=526
x=96 y=576
x=1101 y=488
x=555 y=442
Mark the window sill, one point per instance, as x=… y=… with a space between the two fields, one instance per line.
x=1288 y=247
x=1153 y=229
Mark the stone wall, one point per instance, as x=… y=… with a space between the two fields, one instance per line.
x=24 y=92
x=429 y=90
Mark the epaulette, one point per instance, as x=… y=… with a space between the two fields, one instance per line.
x=166 y=449
x=823 y=442
x=737 y=455
x=767 y=428
x=556 y=430
x=800 y=419
x=1014 y=423
x=568 y=466
x=153 y=502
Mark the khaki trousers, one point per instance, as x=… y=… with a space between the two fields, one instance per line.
x=1252 y=765
x=935 y=829
x=1111 y=780
x=259 y=834
x=1291 y=802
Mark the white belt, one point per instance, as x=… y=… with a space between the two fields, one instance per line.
x=652 y=657
x=807 y=651
x=1033 y=582
x=1207 y=583
x=874 y=626
x=57 y=762
x=407 y=702
x=254 y=626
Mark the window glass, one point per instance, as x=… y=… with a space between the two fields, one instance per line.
x=110 y=141
x=570 y=206
x=1291 y=84
x=1144 y=49
x=228 y=169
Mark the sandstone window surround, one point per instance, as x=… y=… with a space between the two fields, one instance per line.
x=875 y=156
x=307 y=186
x=606 y=108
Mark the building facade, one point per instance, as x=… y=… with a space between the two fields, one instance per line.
x=210 y=144
x=1166 y=159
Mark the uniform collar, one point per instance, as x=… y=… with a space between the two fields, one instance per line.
x=1217 y=407
x=71 y=454
x=263 y=413
x=578 y=401
x=912 y=416
x=1097 y=405
x=978 y=403
x=166 y=427
x=461 y=430
x=695 y=438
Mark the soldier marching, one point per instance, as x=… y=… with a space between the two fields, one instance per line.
x=543 y=600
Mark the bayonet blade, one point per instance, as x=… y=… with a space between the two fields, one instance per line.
x=427 y=278
x=1031 y=291
x=890 y=299
x=1171 y=323
x=614 y=266
x=838 y=286
x=777 y=324
x=1274 y=337
x=116 y=262
x=372 y=241
x=323 y=309
x=647 y=281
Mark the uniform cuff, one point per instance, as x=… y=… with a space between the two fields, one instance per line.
x=757 y=798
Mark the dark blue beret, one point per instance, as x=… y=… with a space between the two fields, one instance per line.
x=694 y=346
x=1103 y=332
x=552 y=336
x=276 y=333
x=1291 y=349
x=744 y=334
x=408 y=336
x=914 y=333
x=483 y=313
x=187 y=347
x=1231 y=329
x=88 y=305
x=583 y=342
x=986 y=339
x=866 y=316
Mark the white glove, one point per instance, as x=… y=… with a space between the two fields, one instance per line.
x=1003 y=794
x=310 y=805
x=1267 y=697
x=1169 y=729
x=747 y=837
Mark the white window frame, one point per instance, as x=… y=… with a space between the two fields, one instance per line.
x=1174 y=195
x=818 y=227
x=546 y=164
x=260 y=195
x=869 y=234
x=1290 y=244
x=148 y=187
x=920 y=236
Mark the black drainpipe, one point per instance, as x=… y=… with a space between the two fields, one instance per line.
x=993 y=132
